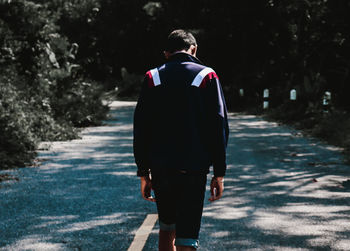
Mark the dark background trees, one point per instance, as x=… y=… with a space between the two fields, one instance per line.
x=58 y=55
x=301 y=44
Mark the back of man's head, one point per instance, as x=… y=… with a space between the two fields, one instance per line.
x=180 y=40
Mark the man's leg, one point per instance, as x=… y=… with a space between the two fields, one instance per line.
x=164 y=195
x=190 y=198
x=166 y=240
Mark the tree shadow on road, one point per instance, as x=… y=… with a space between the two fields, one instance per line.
x=282 y=192
x=85 y=198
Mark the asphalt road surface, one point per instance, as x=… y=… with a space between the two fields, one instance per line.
x=282 y=192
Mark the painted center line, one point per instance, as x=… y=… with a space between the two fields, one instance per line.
x=143 y=232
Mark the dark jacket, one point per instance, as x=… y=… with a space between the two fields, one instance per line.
x=180 y=121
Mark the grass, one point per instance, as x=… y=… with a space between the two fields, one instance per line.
x=332 y=126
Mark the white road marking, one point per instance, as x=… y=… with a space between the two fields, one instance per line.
x=143 y=232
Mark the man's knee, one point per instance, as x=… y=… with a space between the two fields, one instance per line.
x=171 y=233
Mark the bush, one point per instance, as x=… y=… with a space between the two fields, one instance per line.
x=43 y=93
x=83 y=95
x=18 y=142
x=129 y=86
x=334 y=127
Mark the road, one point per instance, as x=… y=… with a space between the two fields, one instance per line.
x=283 y=191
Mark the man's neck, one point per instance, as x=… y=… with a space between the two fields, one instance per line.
x=183 y=56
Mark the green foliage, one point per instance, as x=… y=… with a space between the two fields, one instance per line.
x=44 y=94
x=17 y=140
x=84 y=96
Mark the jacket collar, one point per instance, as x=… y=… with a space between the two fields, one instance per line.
x=183 y=57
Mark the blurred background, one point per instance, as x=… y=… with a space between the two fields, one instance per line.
x=61 y=59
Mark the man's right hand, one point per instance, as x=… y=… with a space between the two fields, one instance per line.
x=146 y=187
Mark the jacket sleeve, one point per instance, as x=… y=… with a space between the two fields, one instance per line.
x=217 y=125
x=141 y=118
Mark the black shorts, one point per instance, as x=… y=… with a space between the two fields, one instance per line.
x=179 y=198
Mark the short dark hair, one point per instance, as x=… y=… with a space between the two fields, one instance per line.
x=179 y=40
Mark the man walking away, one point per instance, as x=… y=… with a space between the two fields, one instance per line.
x=180 y=130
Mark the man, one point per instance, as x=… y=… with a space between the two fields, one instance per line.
x=180 y=130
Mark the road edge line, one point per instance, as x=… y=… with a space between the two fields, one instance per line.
x=143 y=232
